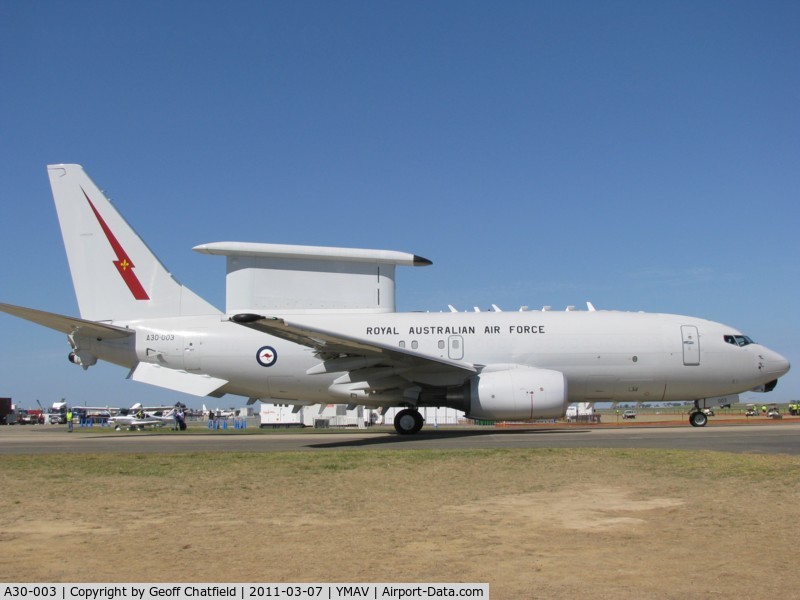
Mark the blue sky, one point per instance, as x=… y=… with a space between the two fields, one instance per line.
x=640 y=155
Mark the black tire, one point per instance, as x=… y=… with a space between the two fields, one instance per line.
x=408 y=421
x=698 y=419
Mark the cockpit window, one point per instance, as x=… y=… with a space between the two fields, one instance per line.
x=738 y=340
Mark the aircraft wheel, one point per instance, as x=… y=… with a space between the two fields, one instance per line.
x=698 y=419
x=408 y=421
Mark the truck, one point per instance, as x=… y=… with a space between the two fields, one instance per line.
x=582 y=412
x=58 y=413
x=30 y=416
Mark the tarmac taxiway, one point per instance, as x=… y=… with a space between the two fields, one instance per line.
x=765 y=438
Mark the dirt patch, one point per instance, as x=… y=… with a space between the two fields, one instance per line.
x=532 y=523
x=580 y=508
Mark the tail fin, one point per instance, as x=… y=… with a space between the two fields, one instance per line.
x=116 y=276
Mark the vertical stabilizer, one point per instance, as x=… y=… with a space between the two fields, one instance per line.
x=116 y=276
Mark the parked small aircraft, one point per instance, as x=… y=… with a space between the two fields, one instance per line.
x=220 y=413
x=307 y=325
x=140 y=417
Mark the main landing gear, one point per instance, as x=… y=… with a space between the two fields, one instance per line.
x=408 y=421
x=697 y=418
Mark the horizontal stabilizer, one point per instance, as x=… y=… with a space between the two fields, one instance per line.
x=68 y=325
x=180 y=381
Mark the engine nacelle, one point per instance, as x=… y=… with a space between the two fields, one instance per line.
x=517 y=393
x=83 y=358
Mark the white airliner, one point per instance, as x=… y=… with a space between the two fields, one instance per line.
x=306 y=325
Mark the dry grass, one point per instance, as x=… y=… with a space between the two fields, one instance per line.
x=533 y=523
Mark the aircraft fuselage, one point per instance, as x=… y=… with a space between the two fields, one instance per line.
x=604 y=355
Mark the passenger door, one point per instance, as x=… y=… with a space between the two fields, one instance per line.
x=691 y=345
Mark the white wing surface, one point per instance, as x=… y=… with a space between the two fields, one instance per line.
x=340 y=353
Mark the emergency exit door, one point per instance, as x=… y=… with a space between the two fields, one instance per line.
x=691 y=345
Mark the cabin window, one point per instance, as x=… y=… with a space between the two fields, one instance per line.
x=414 y=345
x=738 y=340
x=402 y=344
x=441 y=344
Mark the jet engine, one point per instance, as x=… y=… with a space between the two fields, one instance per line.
x=508 y=393
x=82 y=358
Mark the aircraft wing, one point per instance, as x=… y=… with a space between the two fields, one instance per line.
x=68 y=325
x=416 y=366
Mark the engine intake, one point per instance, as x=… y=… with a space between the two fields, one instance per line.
x=82 y=358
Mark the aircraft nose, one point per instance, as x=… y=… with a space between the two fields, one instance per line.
x=773 y=363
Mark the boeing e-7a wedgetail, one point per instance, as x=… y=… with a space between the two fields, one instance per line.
x=307 y=325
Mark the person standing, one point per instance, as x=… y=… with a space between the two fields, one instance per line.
x=69 y=420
